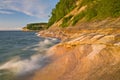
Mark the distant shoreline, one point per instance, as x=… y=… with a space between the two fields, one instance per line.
x=10 y=30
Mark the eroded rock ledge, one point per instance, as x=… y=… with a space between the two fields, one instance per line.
x=88 y=51
x=86 y=55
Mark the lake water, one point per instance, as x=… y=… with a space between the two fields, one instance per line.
x=22 y=53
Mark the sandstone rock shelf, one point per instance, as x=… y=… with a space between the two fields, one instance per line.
x=83 y=55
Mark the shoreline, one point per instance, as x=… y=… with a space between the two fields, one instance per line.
x=26 y=57
x=83 y=51
x=79 y=51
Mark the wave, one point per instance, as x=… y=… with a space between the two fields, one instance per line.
x=22 y=66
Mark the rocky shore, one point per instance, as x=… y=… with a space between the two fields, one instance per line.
x=86 y=54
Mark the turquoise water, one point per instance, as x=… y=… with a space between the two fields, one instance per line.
x=22 y=53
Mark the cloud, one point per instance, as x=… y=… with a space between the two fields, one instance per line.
x=5 y=12
x=37 y=8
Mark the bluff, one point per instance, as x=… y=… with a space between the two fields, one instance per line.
x=35 y=27
x=90 y=41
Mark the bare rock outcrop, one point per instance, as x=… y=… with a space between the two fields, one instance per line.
x=88 y=55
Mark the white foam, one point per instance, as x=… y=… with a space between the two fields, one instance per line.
x=38 y=34
x=47 y=41
x=23 y=66
x=42 y=45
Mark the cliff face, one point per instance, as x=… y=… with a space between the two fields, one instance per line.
x=66 y=14
x=89 y=50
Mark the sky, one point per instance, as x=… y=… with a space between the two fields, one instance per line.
x=15 y=14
